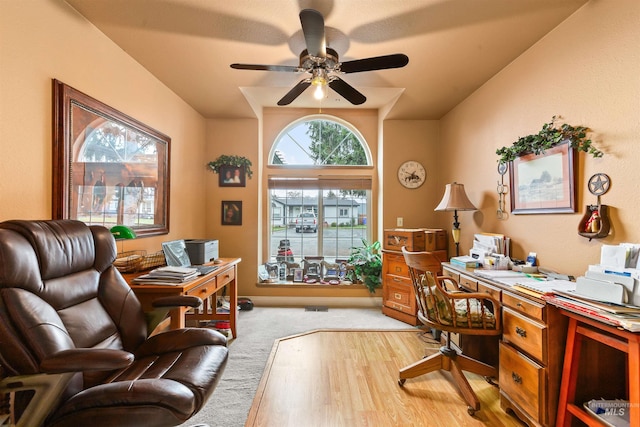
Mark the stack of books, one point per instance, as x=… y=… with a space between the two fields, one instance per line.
x=620 y=315
x=167 y=276
x=465 y=261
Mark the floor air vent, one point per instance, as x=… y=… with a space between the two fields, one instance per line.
x=316 y=308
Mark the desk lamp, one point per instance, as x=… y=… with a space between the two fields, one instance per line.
x=455 y=199
x=122 y=232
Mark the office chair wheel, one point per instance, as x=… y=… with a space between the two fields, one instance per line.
x=401 y=381
x=471 y=411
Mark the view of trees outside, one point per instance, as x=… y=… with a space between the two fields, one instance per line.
x=340 y=212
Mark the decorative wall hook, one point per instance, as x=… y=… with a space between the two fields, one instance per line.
x=595 y=221
x=502 y=190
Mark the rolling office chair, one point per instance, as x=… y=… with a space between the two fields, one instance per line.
x=458 y=312
x=74 y=344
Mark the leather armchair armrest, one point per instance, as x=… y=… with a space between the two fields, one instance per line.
x=180 y=339
x=177 y=301
x=86 y=359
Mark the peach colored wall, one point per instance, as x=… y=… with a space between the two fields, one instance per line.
x=42 y=40
x=235 y=137
x=585 y=70
x=411 y=140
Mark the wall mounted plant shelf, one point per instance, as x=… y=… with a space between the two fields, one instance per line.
x=549 y=136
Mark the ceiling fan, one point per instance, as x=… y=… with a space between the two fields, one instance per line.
x=323 y=65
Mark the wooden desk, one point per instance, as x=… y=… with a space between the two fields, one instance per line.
x=530 y=351
x=577 y=384
x=204 y=287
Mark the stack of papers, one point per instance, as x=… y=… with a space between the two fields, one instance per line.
x=491 y=243
x=168 y=276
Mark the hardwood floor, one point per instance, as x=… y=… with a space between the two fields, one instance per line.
x=350 y=378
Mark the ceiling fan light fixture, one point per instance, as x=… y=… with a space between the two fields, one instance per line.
x=320 y=80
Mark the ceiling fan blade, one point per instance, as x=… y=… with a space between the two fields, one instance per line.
x=294 y=92
x=313 y=29
x=287 y=68
x=397 y=60
x=347 y=91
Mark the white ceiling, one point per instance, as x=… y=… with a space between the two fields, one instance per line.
x=454 y=46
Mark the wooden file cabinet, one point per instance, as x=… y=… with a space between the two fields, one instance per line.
x=530 y=352
x=398 y=298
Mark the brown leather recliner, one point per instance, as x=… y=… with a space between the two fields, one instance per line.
x=72 y=330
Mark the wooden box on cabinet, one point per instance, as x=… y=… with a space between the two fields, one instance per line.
x=398 y=297
x=412 y=239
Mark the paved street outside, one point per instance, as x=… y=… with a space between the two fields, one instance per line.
x=337 y=241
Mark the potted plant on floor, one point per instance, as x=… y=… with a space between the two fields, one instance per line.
x=367 y=263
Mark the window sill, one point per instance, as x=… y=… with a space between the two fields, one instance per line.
x=308 y=285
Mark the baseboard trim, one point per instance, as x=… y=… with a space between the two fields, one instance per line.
x=281 y=301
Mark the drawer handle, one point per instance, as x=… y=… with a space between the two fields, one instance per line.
x=397 y=296
x=398 y=269
x=516 y=378
x=204 y=291
x=395 y=279
x=519 y=304
x=521 y=332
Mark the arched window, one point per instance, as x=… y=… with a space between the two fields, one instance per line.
x=318 y=214
x=320 y=141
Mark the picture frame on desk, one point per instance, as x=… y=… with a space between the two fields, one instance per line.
x=544 y=183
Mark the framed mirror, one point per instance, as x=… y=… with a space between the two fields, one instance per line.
x=108 y=168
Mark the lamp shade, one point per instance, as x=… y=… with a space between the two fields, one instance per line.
x=455 y=199
x=122 y=232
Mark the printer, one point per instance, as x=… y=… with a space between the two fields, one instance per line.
x=201 y=251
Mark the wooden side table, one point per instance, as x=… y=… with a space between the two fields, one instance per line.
x=580 y=329
x=204 y=287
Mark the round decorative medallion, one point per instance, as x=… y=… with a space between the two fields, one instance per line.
x=599 y=184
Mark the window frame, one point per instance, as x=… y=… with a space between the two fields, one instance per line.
x=310 y=171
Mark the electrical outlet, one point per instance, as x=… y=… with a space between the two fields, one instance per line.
x=399 y=221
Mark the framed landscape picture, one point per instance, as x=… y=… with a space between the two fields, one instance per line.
x=544 y=183
x=109 y=168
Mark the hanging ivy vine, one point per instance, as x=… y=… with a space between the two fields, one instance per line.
x=235 y=161
x=549 y=136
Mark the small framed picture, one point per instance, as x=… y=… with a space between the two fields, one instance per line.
x=297 y=274
x=232 y=212
x=231 y=176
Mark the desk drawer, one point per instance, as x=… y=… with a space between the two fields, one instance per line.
x=522 y=380
x=396 y=265
x=469 y=283
x=491 y=290
x=523 y=305
x=225 y=277
x=203 y=290
x=398 y=294
x=450 y=273
x=526 y=334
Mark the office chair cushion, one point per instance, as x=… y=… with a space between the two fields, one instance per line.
x=452 y=311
